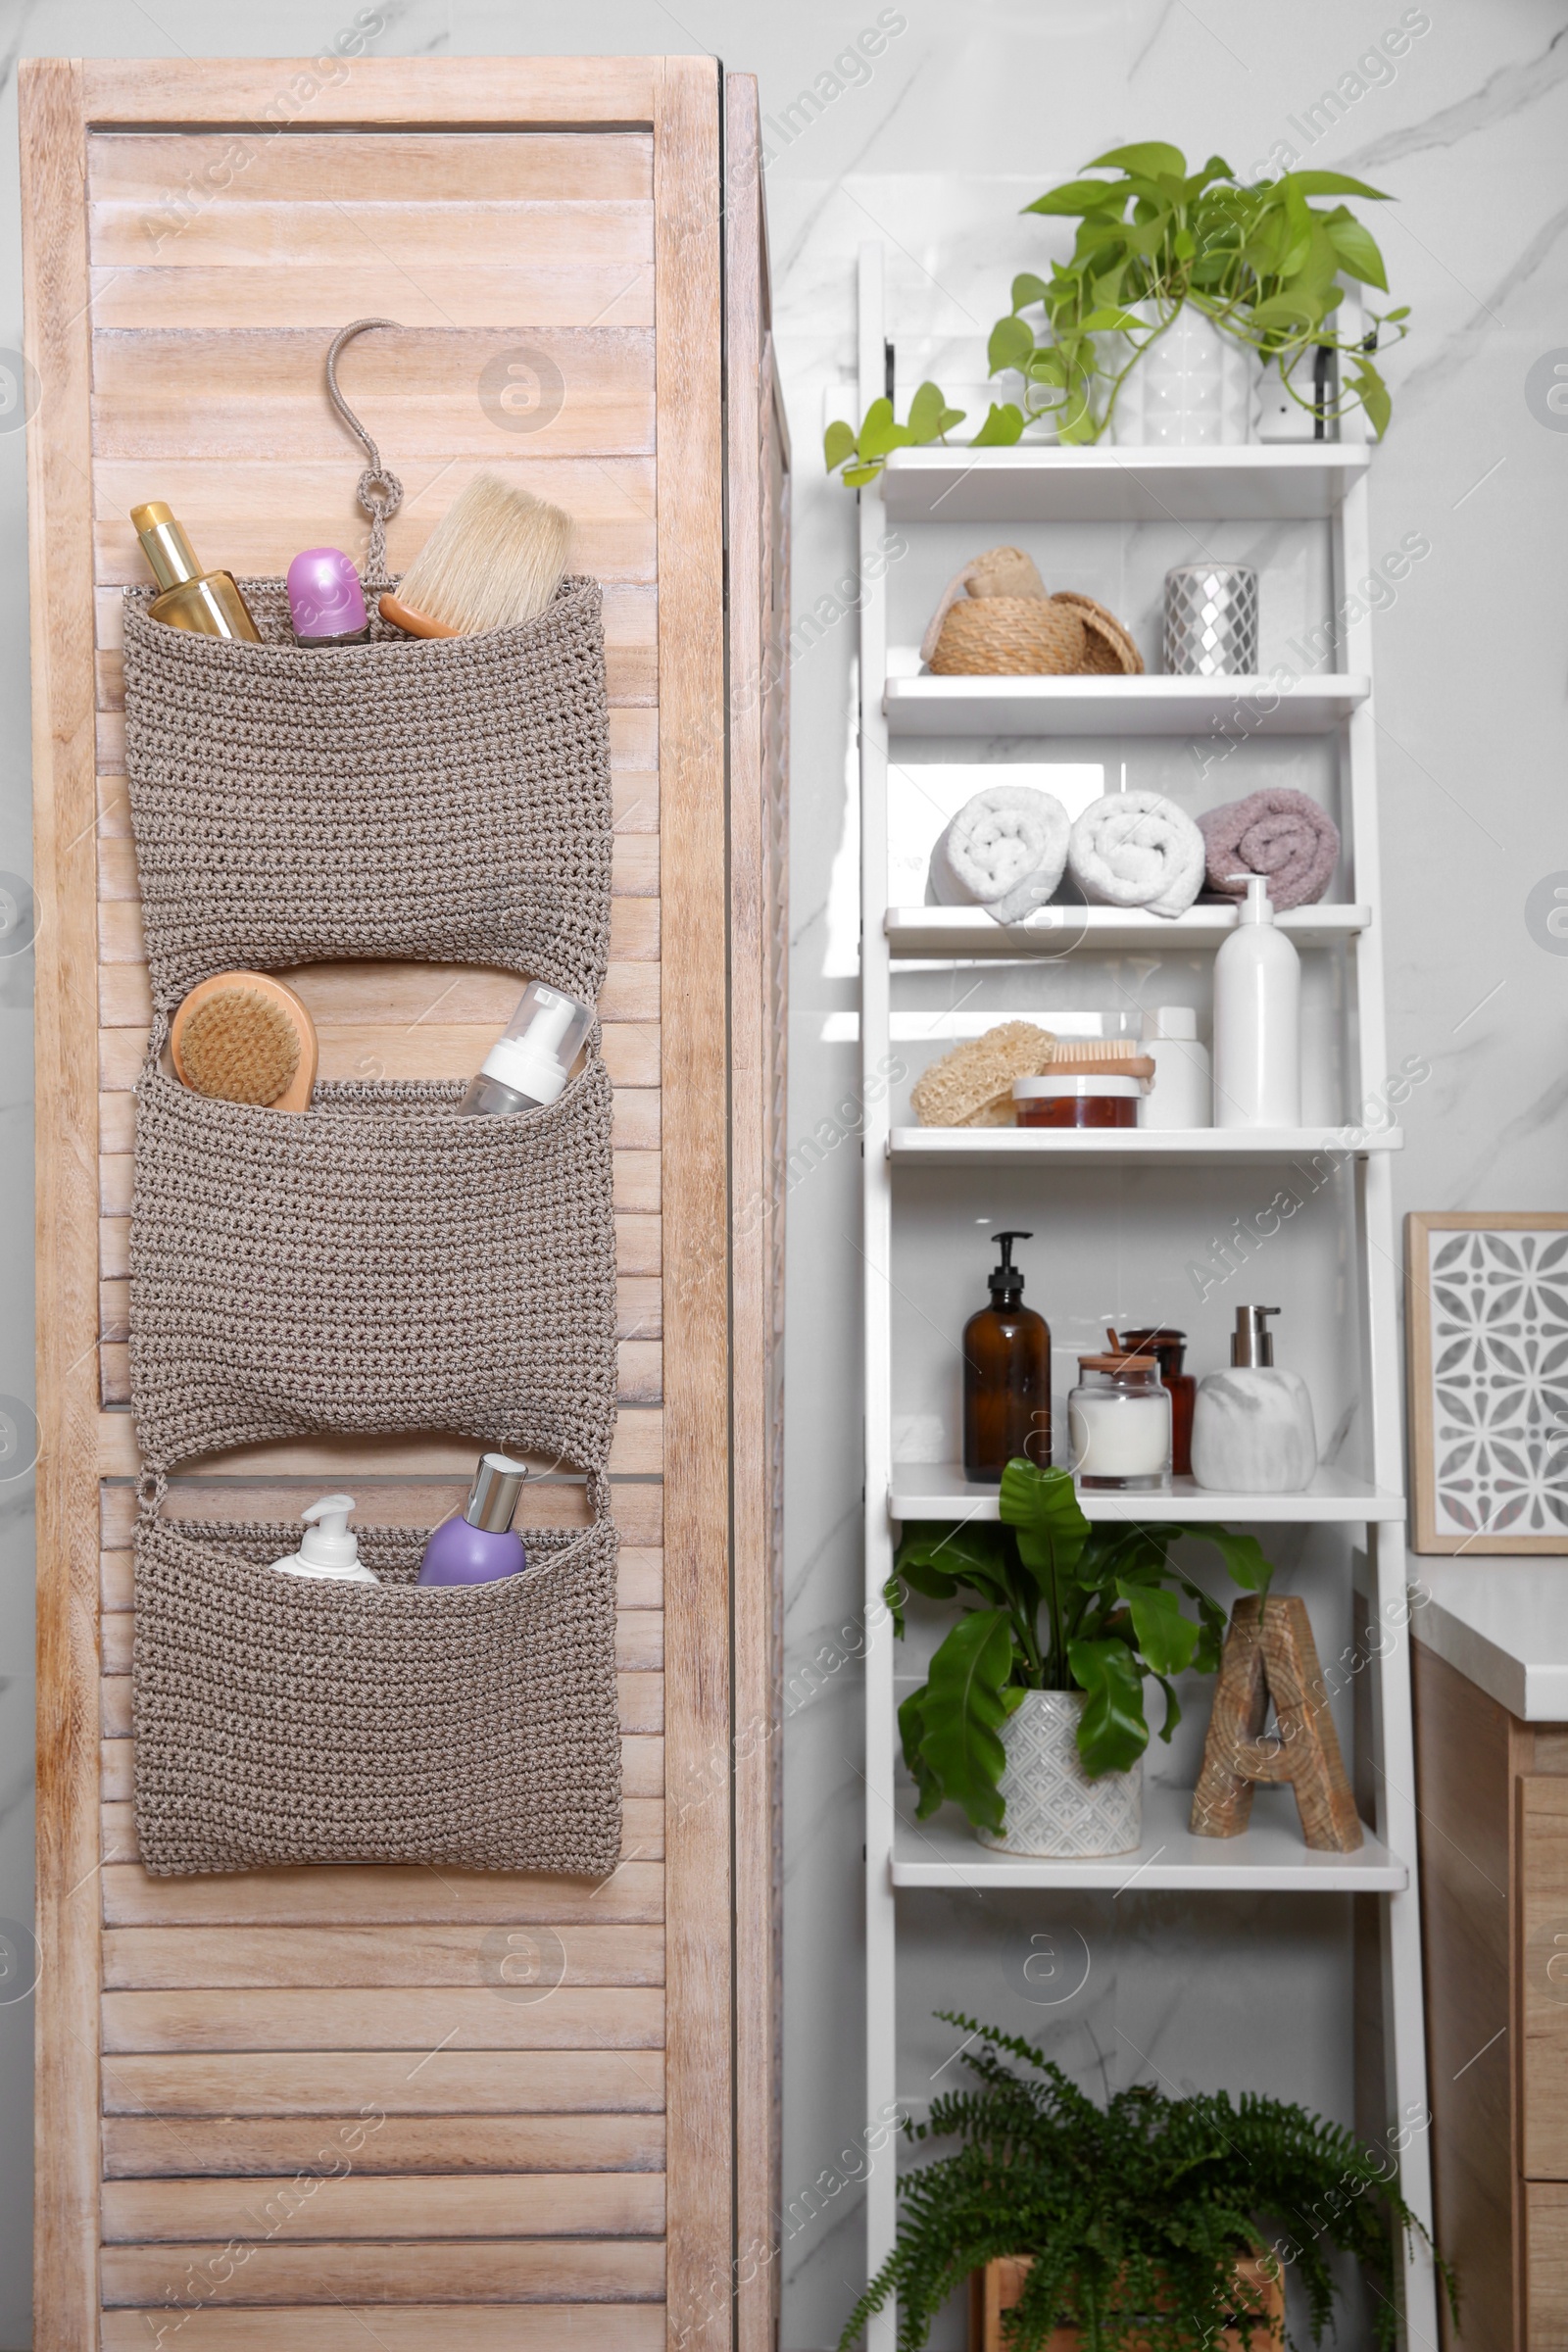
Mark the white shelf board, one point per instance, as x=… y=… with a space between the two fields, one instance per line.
x=1034 y=482
x=1269 y=1858
x=1021 y=1146
x=916 y=704
x=939 y=1491
x=964 y=931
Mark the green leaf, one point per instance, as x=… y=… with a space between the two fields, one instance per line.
x=893 y=1594
x=963 y=1710
x=1027 y=288
x=1390 y=317
x=1079 y=196
x=1334 y=183
x=1153 y=156
x=1011 y=344
x=1375 y=399
x=938 y=1559
x=1002 y=427
x=1173 y=1709
x=1042 y=1508
x=1357 y=252
x=1249 y=1564
x=930 y=414
x=1283 y=310
x=1166 y=1637
x=1112 y=319
x=1113 y=1733
x=854 y=475
x=879 y=433
x=838 y=443
x=910 y=1730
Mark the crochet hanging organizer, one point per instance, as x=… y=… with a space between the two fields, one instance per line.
x=376 y=1265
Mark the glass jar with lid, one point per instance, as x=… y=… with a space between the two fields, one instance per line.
x=1119 y=1420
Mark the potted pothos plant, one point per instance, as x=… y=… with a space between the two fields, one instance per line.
x=1148 y=2223
x=1053 y=1604
x=1261 y=261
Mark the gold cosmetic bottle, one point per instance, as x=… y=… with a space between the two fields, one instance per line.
x=208 y=602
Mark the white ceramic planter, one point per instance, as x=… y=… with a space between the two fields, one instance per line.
x=1194 y=389
x=1053 y=1806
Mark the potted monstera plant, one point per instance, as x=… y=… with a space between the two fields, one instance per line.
x=1152 y=2223
x=1194 y=275
x=1031 y=1716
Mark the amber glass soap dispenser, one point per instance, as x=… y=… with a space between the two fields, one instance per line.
x=1007 y=1377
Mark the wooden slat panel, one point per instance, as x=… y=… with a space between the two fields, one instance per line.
x=421 y=1956
x=518 y=2269
x=411 y=2327
x=369 y=1895
x=467 y=94
x=486 y=2017
x=333 y=2081
x=557 y=294
x=424 y=2205
x=153 y=2147
x=136 y=171
x=1543 y=1987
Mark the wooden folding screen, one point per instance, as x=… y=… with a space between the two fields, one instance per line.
x=321 y=2107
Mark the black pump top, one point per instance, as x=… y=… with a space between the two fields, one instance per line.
x=1007 y=1279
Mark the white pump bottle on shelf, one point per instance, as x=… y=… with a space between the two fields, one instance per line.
x=1258 y=1019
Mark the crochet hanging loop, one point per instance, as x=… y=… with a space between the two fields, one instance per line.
x=378 y=489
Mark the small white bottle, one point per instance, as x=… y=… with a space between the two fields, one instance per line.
x=1257 y=1018
x=1181 y=1090
x=329 y=1550
x=529 y=1063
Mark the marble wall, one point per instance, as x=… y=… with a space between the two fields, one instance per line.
x=963 y=115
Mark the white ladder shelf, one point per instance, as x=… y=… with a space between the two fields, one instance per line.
x=1041 y=485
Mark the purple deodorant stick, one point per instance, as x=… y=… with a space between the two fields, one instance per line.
x=325 y=600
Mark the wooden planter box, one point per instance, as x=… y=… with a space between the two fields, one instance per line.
x=999 y=2286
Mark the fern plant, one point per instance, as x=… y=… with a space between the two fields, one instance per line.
x=1136 y=2214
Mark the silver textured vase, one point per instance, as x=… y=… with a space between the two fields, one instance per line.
x=1211 y=621
x=1053 y=1806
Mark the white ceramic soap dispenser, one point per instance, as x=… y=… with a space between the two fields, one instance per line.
x=1253 y=1426
x=1258 y=1019
x=329 y=1550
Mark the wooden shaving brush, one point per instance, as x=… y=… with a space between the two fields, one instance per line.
x=493 y=560
x=242 y=1037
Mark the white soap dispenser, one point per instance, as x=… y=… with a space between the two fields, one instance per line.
x=1257 y=1018
x=1253 y=1426
x=528 y=1065
x=328 y=1549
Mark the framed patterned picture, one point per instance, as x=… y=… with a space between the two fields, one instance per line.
x=1485 y=1306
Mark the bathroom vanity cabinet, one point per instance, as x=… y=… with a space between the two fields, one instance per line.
x=1491 y=1667
x=508 y=2110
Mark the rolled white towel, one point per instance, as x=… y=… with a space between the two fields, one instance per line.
x=1137 y=848
x=1004 y=851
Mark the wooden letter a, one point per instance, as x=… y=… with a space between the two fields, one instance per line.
x=1270 y=1653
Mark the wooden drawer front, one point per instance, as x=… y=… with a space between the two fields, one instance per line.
x=1544 y=1999
x=1547 y=2267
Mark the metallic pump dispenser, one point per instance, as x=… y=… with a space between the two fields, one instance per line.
x=209 y=602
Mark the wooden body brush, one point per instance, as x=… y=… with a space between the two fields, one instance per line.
x=243 y=1037
x=493 y=560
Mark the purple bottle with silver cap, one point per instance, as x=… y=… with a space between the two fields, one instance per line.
x=325 y=600
x=480 y=1547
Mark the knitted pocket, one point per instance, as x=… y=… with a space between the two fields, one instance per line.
x=376 y=1266
x=441 y=799
x=281 y=1720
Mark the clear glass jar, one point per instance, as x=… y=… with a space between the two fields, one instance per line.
x=1118 y=1422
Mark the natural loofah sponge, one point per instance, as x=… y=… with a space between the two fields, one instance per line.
x=972 y=1085
x=239 y=1047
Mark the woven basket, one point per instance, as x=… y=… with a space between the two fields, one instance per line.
x=442 y=800
x=280 y=1720
x=1009 y=636
x=374 y=1265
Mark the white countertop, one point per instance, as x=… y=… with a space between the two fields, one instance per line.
x=1502 y=1624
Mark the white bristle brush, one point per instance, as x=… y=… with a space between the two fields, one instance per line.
x=493 y=560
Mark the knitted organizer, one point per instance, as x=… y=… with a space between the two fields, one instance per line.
x=285 y=1721
x=376 y=1266
x=441 y=799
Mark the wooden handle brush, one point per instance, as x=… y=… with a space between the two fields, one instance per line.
x=243 y=1037
x=493 y=560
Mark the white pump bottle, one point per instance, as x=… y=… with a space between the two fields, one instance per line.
x=329 y=1551
x=1258 y=1019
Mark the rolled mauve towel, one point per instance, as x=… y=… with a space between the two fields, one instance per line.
x=1275 y=832
x=1137 y=848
